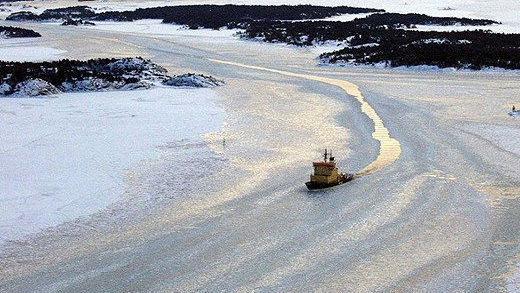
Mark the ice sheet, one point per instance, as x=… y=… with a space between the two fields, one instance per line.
x=69 y=156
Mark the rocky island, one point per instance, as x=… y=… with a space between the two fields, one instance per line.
x=197 y=16
x=21 y=79
x=8 y=32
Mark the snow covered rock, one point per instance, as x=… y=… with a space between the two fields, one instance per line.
x=7 y=32
x=515 y=113
x=89 y=84
x=139 y=68
x=34 y=87
x=136 y=64
x=4 y=89
x=91 y=75
x=97 y=84
x=74 y=12
x=136 y=85
x=193 y=80
x=23 y=16
x=77 y=22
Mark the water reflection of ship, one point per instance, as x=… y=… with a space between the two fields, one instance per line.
x=326 y=174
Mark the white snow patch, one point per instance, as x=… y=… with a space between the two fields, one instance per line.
x=366 y=45
x=328 y=46
x=29 y=53
x=34 y=87
x=4 y=88
x=342 y=17
x=71 y=156
x=497 y=28
x=419 y=68
x=431 y=41
x=347 y=17
x=156 y=28
x=504 y=137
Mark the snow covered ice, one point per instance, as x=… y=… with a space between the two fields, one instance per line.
x=68 y=155
x=28 y=53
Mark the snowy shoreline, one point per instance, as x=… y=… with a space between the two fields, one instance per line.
x=419 y=68
x=28 y=79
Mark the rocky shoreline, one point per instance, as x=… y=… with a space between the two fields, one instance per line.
x=196 y=16
x=28 y=79
x=8 y=32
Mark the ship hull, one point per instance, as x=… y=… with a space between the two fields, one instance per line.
x=317 y=185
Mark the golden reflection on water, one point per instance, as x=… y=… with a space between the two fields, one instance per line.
x=389 y=148
x=502 y=192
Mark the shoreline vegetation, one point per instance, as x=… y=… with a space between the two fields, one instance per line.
x=22 y=79
x=380 y=38
x=9 y=32
x=196 y=16
x=365 y=43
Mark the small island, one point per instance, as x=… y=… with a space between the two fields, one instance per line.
x=196 y=16
x=77 y=22
x=16 y=32
x=22 y=79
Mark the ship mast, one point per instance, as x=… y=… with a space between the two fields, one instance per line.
x=325 y=156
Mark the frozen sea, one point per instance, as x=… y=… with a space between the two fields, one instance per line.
x=444 y=217
x=74 y=154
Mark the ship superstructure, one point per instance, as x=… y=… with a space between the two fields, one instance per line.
x=326 y=174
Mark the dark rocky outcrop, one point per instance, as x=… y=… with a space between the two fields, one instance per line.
x=22 y=79
x=371 y=41
x=23 y=16
x=77 y=22
x=197 y=16
x=16 y=32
